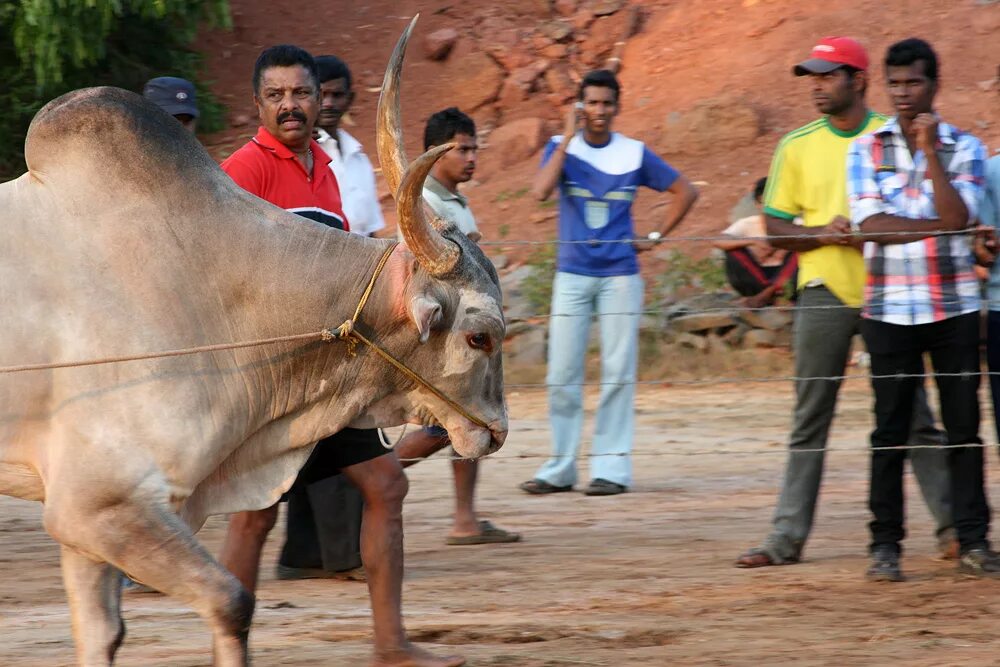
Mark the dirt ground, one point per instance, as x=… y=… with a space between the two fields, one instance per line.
x=644 y=578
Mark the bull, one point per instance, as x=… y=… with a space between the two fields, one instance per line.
x=124 y=236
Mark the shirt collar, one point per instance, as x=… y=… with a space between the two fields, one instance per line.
x=267 y=140
x=946 y=133
x=434 y=185
x=346 y=144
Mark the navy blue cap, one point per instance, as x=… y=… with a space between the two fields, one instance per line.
x=173 y=95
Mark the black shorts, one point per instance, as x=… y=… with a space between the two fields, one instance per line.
x=341 y=450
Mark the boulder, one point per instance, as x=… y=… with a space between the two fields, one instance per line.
x=565 y=7
x=516 y=141
x=758 y=338
x=607 y=7
x=438 y=44
x=703 y=321
x=475 y=76
x=692 y=341
x=728 y=122
x=557 y=31
x=772 y=320
x=528 y=348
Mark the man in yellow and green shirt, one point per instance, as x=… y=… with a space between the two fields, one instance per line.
x=808 y=181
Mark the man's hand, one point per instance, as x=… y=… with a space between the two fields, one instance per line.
x=572 y=123
x=836 y=232
x=642 y=244
x=925 y=127
x=985 y=246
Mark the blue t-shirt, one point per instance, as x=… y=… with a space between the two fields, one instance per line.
x=596 y=192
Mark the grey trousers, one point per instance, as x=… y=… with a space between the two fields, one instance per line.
x=822 y=335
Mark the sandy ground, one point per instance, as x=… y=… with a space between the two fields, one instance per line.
x=640 y=579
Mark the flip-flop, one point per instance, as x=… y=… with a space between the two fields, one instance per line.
x=488 y=534
x=537 y=487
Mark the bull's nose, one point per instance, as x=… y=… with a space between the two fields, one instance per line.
x=497 y=438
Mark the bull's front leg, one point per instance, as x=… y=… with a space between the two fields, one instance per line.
x=94 y=592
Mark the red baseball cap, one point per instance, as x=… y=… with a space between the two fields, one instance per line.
x=831 y=53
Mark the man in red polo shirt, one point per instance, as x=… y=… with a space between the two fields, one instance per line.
x=286 y=167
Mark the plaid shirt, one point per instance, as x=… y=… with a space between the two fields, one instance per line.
x=923 y=281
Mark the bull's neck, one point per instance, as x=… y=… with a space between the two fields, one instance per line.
x=313 y=279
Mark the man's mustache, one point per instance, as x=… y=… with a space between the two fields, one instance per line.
x=294 y=115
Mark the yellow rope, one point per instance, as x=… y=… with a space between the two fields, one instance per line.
x=344 y=332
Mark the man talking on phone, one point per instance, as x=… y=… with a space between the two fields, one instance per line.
x=598 y=173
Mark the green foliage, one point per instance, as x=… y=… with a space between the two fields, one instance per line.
x=49 y=47
x=707 y=274
x=510 y=194
x=537 y=285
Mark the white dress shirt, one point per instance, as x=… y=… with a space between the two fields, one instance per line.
x=356 y=179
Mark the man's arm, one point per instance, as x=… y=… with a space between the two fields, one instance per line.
x=552 y=164
x=732 y=243
x=786 y=235
x=684 y=197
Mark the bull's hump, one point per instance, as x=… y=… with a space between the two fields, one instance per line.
x=112 y=136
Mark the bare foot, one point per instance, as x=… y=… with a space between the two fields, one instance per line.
x=411 y=655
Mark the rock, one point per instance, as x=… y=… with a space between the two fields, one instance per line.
x=554 y=51
x=582 y=19
x=542 y=216
x=521 y=83
x=565 y=7
x=516 y=141
x=476 y=78
x=527 y=348
x=690 y=340
x=772 y=320
x=557 y=31
x=715 y=344
x=515 y=304
x=438 y=44
x=734 y=337
x=607 y=7
x=500 y=262
x=240 y=120
x=703 y=321
x=987 y=85
x=729 y=122
x=758 y=338
x=560 y=83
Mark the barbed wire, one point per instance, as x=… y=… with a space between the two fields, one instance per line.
x=774 y=451
x=858 y=236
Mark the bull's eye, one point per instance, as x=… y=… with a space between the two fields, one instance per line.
x=479 y=341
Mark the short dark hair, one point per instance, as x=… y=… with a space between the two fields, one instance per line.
x=910 y=51
x=330 y=68
x=600 y=78
x=759 y=187
x=284 y=55
x=445 y=124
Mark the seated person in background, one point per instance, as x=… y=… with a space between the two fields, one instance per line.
x=756 y=270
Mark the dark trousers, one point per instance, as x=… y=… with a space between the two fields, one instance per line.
x=748 y=277
x=897 y=351
x=993 y=362
x=324 y=526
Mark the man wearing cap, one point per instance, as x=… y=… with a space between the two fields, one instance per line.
x=913 y=184
x=808 y=180
x=176 y=97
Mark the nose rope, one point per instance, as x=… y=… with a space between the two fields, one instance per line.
x=351 y=336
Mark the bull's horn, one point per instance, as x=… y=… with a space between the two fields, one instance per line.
x=435 y=253
x=389 y=134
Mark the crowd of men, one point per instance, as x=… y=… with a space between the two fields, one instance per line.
x=868 y=221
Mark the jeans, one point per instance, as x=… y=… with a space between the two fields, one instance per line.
x=896 y=350
x=822 y=335
x=993 y=362
x=617 y=301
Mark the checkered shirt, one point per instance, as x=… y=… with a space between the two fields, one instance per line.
x=923 y=281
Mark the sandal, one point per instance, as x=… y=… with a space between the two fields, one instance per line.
x=758 y=557
x=488 y=534
x=537 y=487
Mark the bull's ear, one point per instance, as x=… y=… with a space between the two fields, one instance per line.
x=426 y=313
